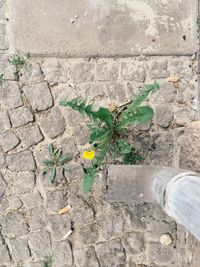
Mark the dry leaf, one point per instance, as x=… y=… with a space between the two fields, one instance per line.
x=173 y=79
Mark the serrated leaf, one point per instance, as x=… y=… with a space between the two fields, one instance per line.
x=123 y=147
x=98 y=134
x=89 y=178
x=132 y=158
x=53 y=175
x=105 y=116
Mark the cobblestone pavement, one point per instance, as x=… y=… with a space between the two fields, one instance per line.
x=103 y=234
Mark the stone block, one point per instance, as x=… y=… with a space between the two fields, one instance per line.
x=163 y=116
x=158 y=254
x=56 y=200
x=54 y=123
x=20 y=250
x=31 y=200
x=54 y=71
x=4 y=254
x=22 y=182
x=107 y=70
x=63 y=254
x=183 y=116
x=4 y=45
x=133 y=72
x=60 y=226
x=116 y=92
x=166 y=93
x=10 y=95
x=105 y=28
x=31 y=73
x=90 y=234
x=134 y=243
x=8 y=141
x=39 y=96
x=4 y=121
x=29 y=136
x=20 y=116
x=37 y=218
x=22 y=161
x=158 y=70
x=86 y=257
x=82 y=72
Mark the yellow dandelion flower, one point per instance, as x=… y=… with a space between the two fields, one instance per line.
x=88 y=154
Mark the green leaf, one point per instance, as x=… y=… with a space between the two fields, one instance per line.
x=105 y=116
x=99 y=134
x=89 y=178
x=53 y=175
x=123 y=147
x=64 y=159
x=48 y=262
x=48 y=162
x=132 y=158
x=51 y=150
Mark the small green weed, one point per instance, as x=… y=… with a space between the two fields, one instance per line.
x=1 y=79
x=56 y=160
x=18 y=62
x=48 y=262
x=108 y=130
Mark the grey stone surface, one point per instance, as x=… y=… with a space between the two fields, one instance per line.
x=39 y=96
x=86 y=257
x=60 y=226
x=56 y=200
x=2 y=185
x=159 y=70
x=54 y=71
x=63 y=254
x=40 y=244
x=2 y=158
x=159 y=254
x=31 y=73
x=107 y=71
x=8 y=141
x=13 y=225
x=29 y=136
x=4 y=121
x=4 y=254
x=3 y=41
x=54 y=123
x=31 y=200
x=105 y=28
x=37 y=218
x=20 y=116
x=82 y=72
x=131 y=72
x=23 y=182
x=20 y=250
x=10 y=95
x=163 y=115
x=134 y=243
x=22 y=161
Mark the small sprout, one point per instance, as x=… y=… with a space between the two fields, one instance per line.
x=18 y=62
x=1 y=79
x=56 y=160
x=48 y=262
x=64 y=210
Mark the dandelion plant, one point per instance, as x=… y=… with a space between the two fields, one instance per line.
x=108 y=128
x=57 y=159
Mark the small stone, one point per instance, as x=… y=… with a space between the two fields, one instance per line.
x=111 y=253
x=8 y=141
x=20 y=250
x=107 y=71
x=39 y=96
x=82 y=72
x=159 y=70
x=166 y=240
x=23 y=182
x=54 y=71
x=190 y=147
x=132 y=72
x=86 y=257
x=20 y=116
x=29 y=136
x=134 y=243
x=68 y=146
x=10 y=95
x=4 y=254
x=54 y=123
x=31 y=200
x=4 y=121
x=40 y=244
x=163 y=115
x=22 y=161
x=63 y=254
x=37 y=218
x=14 y=225
x=31 y=73
x=159 y=254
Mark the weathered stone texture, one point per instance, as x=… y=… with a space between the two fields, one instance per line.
x=20 y=250
x=30 y=136
x=39 y=96
x=86 y=257
x=40 y=244
x=4 y=121
x=10 y=95
x=20 y=116
x=63 y=254
x=3 y=41
x=22 y=161
x=31 y=200
x=8 y=141
x=22 y=182
x=82 y=72
x=4 y=255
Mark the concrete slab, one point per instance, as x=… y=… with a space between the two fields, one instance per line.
x=104 y=27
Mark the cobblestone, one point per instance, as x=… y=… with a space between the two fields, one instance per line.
x=39 y=96
x=4 y=255
x=20 y=249
x=31 y=200
x=86 y=257
x=134 y=243
x=22 y=161
x=82 y=72
x=163 y=115
x=4 y=121
x=131 y=72
x=20 y=116
x=63 y=254
x=8 y=141
x=10 y=95
x=22 y=182
x=3 y=41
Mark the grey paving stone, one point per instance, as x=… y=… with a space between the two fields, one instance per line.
x=163 y=116
x=90 y=234
x=131 y=72
x=20 y=250
x=134 y=243
x=106 y=29
x=107 y=71
x=23 y=182
x=2 y=186
x=20 y=116
x=86 y=257
x=166 y=93
x=5 y=67
x=158 y=254
x=54 y=123
x=4 y=254
x=60 y=226
x=22 y=161
x=62 y=254
x=10 y=95
x=8 y=141
x=82 y=72
x=13 y=225
x=3 y=41
x=4 y=121
x=159 y=70
x=111 y=253
x=54 y=71
x=116 y=92
x=37 y=218
x=40 y=244
x=2 y=9
x=183 y=116
x=92 y=90
x=2 y=158
x=31 y=73
x=56 y=200
x=31 y=200
x=39 y=96
x=68 y=146
x=29 y=136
